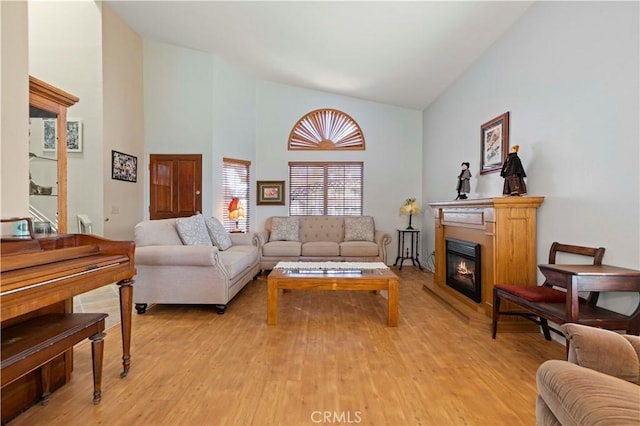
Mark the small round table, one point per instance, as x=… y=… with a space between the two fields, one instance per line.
x=409 y=244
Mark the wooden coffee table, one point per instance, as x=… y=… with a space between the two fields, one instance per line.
x=300 y=278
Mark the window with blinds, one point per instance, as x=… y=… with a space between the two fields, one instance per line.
x=235 y=183
x=318 y=188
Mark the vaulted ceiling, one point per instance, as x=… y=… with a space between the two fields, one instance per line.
x=398 y=53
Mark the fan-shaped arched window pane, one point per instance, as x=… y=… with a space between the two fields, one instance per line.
x=326 y=129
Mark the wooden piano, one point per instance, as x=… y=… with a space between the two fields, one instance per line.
x=40 y=276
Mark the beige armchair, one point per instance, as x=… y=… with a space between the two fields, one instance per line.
x=598 y=385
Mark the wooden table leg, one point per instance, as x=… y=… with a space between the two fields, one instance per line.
x=272 y=302
x=393 y=303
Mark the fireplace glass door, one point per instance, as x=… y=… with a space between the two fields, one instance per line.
x=463 y=268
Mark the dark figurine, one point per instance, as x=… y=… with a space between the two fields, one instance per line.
x=463 y=182
x=513 y=174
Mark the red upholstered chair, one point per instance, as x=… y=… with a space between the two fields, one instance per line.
x=525 y=296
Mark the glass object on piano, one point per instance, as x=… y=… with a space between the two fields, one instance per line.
x=17 y=228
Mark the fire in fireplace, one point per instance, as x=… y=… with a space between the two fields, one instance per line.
x=463 y=268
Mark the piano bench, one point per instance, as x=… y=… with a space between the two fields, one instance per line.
x=29 y=345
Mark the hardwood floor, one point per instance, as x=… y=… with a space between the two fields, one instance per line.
x=330 y=360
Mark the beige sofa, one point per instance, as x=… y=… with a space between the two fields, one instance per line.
x=171 y=272
x=598 y=385
x=322 y=238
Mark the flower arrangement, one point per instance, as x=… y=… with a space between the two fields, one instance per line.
x=409 y=208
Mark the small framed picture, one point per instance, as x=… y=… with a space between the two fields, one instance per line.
x=124 y=167
x=494 y=143
x=50 y=134
x=74 y=135
x=270 y=192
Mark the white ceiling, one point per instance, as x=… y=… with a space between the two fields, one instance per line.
x=398 y=53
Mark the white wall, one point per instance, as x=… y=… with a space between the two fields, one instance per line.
x=65 y=50
x=233 y=127
x=14 y=108
x=392 y=165
x=178 y=108
x=568 y=72
x=123 y=123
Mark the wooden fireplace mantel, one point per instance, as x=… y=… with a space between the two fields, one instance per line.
x=505 y=228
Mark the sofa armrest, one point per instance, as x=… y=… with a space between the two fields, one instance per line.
x=263 y=237
x=382 y=239
x=177 y=255
x=244 y=239
x=604 y=351
x=581 y=396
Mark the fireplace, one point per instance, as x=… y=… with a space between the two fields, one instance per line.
x=463 y=268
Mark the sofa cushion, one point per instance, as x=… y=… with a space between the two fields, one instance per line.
x=193 y=231
x=237 y=259
x=217 y=233
x=320 y=249
x=358 y=249
x=161 y=232
x=281 y=248
x=321 y=228
x=358 y=228
x=284 y=229
x=602 y=350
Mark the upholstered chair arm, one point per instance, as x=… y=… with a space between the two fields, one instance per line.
x=178 y=255
x=604 y=351
x=383 y=239
x=263 y=237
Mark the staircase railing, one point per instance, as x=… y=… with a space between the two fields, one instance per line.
x=41 y=217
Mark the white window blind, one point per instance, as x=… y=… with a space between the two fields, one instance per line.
x=319 y=188
x=235 y=182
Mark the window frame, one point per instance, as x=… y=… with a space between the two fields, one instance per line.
x=236 y=188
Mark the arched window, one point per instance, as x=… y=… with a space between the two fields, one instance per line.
x=326 y=129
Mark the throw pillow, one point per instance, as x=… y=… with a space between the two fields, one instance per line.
x=284 y=229
x=218 y=234
x=358 y=228
x=192 y=231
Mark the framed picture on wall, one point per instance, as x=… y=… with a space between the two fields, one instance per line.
x=50 y=134
x=74 y=135
x=270 y=192
x=124 y=167
x=494 y=143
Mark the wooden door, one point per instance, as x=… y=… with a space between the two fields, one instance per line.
x=175 y=185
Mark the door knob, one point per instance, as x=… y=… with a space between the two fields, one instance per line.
x=197 y=192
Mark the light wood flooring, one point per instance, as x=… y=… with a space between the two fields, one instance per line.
x=330 y=360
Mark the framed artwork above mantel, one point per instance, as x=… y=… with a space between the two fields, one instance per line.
x=494 y=143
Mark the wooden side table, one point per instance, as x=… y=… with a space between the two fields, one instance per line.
x=408 y=247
